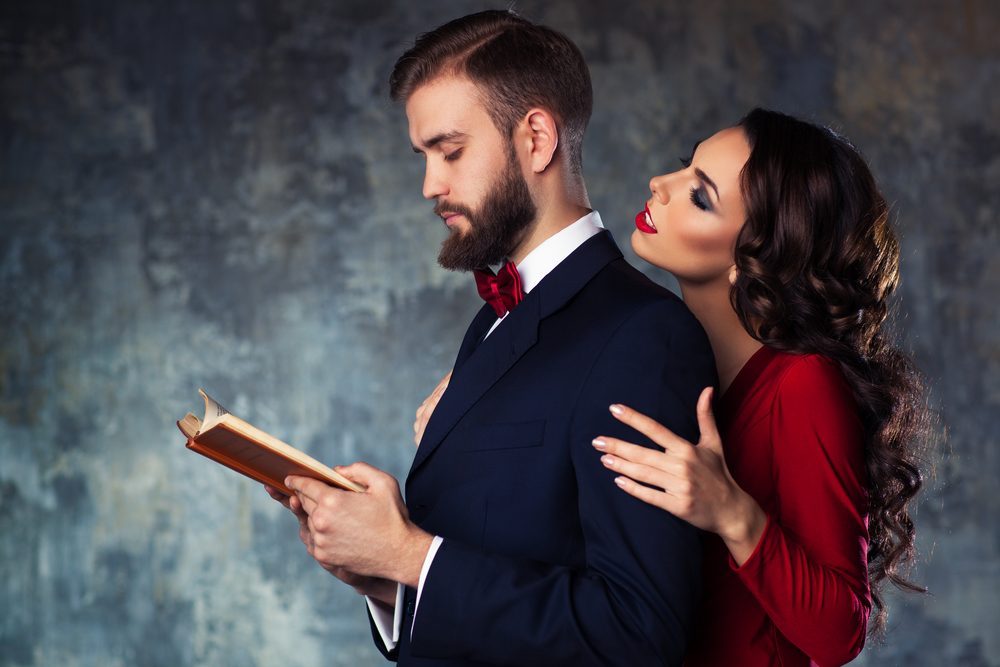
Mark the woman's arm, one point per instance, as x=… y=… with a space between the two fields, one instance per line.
x=810 y=570
x=807 y=564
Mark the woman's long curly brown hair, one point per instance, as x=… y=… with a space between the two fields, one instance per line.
x=817 y=260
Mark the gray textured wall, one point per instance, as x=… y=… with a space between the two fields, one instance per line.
x=218 y=194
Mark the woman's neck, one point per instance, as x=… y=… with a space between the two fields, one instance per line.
x=731 y=343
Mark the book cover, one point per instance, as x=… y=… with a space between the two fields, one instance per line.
x=240 y=446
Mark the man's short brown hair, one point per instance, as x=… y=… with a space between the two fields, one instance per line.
x=516 y=65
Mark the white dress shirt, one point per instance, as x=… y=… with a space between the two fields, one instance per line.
x=538 y=263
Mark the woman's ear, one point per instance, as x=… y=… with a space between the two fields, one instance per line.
x=733 y=273
x=542 y=135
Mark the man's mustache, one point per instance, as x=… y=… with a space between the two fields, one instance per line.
x=443 y=207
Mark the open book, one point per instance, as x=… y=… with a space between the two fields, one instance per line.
x=227 y=439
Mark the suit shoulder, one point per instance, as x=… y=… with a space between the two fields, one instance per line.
x=624 y=292
x=621 y=311
x=629 y=285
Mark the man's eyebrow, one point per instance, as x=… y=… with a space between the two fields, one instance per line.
x=438 y=138
x=703 y=176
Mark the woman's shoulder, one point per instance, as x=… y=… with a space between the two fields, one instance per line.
x=814 y=417
x=811 y=388
x=805 y=375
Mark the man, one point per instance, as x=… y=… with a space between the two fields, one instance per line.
x=515 y=547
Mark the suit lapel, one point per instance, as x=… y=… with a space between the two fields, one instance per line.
x=474 y=334
x=479 y=368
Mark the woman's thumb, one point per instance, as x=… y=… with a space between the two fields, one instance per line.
x=706 y=421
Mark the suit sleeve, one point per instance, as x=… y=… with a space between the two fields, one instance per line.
x=633 y=602
x=809 y=570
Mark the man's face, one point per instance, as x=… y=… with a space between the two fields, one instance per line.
x=471 y=173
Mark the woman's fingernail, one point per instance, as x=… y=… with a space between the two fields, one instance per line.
x=608 y=460
x=599 y=443
x=616 y=409
x=620 y=481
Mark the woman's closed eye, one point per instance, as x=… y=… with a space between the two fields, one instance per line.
x=699 y=197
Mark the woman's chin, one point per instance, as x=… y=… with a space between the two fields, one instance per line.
x=644 y=249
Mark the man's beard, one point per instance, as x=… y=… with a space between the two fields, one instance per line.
x=495 y=228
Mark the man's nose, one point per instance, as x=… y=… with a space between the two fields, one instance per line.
x=434 y=185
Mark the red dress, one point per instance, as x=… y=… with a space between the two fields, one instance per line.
x=793 y=440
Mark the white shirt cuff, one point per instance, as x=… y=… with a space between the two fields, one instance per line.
x=388 y=621
x=428 y=559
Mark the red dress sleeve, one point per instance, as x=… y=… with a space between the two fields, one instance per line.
x=809 y=570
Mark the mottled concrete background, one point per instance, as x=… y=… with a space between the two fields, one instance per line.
x=218 y=194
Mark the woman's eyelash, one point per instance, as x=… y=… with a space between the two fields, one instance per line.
x=698 y=199
x=686 y=161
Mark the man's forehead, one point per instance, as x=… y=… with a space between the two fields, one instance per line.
x=445 y=109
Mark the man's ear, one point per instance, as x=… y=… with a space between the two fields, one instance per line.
x=541 y=137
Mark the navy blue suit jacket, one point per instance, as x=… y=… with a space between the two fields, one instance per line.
x=545 y=561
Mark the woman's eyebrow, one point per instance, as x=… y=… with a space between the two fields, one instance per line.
x=703 y=176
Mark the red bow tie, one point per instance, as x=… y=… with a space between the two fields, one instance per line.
x=502 y=291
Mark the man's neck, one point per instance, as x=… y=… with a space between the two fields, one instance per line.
x=551 y=221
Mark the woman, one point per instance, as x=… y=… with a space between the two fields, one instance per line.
x=780 y=242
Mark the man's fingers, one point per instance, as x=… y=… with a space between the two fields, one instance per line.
x=304 y=535
x=291 y=503
x=649 y=427
x=307 y=504
x=365 y=474
x=295 y=504
x=277 y=495
x=307 y=487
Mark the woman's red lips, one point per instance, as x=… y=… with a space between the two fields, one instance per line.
x=643 y=221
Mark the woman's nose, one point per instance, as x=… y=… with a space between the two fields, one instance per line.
x=658 y=185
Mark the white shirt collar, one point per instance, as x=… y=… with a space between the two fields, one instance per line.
x=553 y=250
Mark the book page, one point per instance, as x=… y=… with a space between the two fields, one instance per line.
x=213 y=412
x=254 y=435
x=189 y=426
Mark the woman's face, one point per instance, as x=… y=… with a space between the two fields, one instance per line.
x=696 y=212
